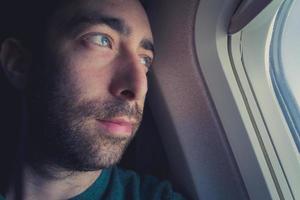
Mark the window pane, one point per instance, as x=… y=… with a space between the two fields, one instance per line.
x=285 y=64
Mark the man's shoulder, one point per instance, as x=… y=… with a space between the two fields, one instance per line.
x=144 y=186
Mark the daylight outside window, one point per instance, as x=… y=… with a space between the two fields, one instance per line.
x=285 y=64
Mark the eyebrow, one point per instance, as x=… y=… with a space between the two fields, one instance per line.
x=116 y=24
x=148 y=45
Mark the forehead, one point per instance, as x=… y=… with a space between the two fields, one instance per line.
x=129 y=11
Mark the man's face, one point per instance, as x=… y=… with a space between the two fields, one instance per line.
x=93 y=82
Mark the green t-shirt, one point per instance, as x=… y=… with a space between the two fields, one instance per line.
x=119 y=184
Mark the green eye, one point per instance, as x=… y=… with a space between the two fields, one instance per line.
x=147 y=61
x=100 y=40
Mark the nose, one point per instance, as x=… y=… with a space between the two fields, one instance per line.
x=129 y=81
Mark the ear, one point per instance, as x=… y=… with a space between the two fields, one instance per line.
x=15 y=61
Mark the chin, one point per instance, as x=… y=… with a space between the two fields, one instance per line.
x=107 y=152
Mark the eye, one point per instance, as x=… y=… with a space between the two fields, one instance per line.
x=147 y=61
x=99 y=39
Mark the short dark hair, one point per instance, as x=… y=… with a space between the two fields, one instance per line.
x=25 y=20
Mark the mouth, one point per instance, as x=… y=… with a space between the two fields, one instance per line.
x=121 y=127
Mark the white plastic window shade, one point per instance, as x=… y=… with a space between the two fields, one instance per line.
x=285 y=64
x=246 y=11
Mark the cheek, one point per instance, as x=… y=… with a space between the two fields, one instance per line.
x=89 y=74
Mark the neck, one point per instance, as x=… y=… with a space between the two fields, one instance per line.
x=53 y=183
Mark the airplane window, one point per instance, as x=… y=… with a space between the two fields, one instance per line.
x=251 y=74
x=285 y=64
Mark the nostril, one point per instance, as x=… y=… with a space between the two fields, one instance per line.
x=127 y=94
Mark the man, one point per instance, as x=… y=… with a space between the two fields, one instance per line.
x=82 y=73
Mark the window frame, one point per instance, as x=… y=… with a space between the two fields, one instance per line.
x=238 y=81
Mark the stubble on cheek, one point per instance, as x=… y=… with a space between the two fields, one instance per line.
x=68 y=136
x=85 y=146
x=71 y=139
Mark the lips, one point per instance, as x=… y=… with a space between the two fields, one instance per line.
x=119 y=127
